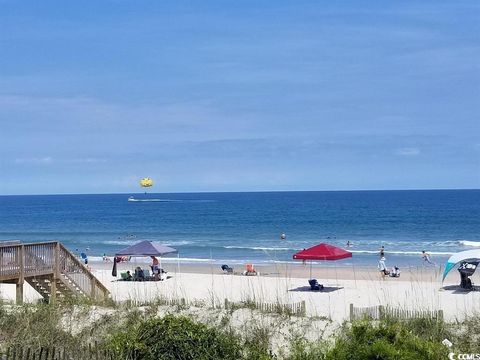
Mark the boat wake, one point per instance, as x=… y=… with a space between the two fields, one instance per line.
x=152 y=200
x=132 y=199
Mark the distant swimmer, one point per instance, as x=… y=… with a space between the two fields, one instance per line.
x=349 y=243
x=426 y=258
x=283 y=236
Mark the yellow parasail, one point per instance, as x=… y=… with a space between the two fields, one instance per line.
x=146 y=182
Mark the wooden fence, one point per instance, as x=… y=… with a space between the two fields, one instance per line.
x=381 y=312
x=297 y=309
x=92 y=352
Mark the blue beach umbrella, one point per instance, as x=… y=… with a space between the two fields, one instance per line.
x=143 y=248
x=146 y=248
x=469 y=255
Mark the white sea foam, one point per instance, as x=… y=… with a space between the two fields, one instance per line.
x=136 y=240
x=261 y=248
x=469 y=243
x=120 y=242
x=400 y=252
x=95 y=258
x=186 y=259
x=177 y=243
x=141 y=259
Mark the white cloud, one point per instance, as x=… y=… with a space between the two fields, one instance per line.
x=87 y=161
x=39 y=161
x=49 y=160
x=408 y=151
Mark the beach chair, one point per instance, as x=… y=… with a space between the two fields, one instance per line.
x=395 y=272
x=227 y=269
x=139 y=274
x=250 y=270
x=126 y=276
x=466 y=269
x=314 y=285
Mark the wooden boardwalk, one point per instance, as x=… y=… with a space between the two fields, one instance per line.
x=52 y=270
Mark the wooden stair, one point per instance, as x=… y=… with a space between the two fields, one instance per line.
x=46 y=285
x=53 y=271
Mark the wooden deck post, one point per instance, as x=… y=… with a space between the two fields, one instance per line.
x=303 y=308
x=92 y=286
x=21 y=277
x=56 y=273
x=19 y=293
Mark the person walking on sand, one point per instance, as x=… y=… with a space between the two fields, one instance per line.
x=426 y=258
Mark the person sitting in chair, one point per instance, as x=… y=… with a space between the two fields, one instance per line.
x=395 y=272
x=129 y=276
x=227 y=269
x=314 y=285
x=139 y=274
x=250 y=270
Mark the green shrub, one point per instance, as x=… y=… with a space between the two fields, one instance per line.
x=256 y=343
x=301 y=349
x=386 y=340
x=174 y=338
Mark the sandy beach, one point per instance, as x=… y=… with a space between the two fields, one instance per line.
x=417 y=288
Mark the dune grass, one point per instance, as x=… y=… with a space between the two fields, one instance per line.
x=129 y=331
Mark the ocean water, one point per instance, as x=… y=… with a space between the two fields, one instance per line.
x=246 y=227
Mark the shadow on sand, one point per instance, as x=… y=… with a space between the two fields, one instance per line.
x=456 y=289
x=326 y=289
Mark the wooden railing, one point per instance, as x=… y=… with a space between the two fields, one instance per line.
x=39 y=258
x=73 y=269
x=10 y=264
x=22 y=261
x=26 y=260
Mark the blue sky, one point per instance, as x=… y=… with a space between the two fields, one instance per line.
x=238 y=95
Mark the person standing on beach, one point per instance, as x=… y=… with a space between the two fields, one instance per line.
x=426 y=258
x=381 y=263
x=382 y=267
x=155 y=267
x=382 y=252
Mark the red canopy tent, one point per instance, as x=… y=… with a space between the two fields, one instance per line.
x=322 y=252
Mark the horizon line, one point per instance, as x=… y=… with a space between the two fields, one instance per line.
x=246 y=191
